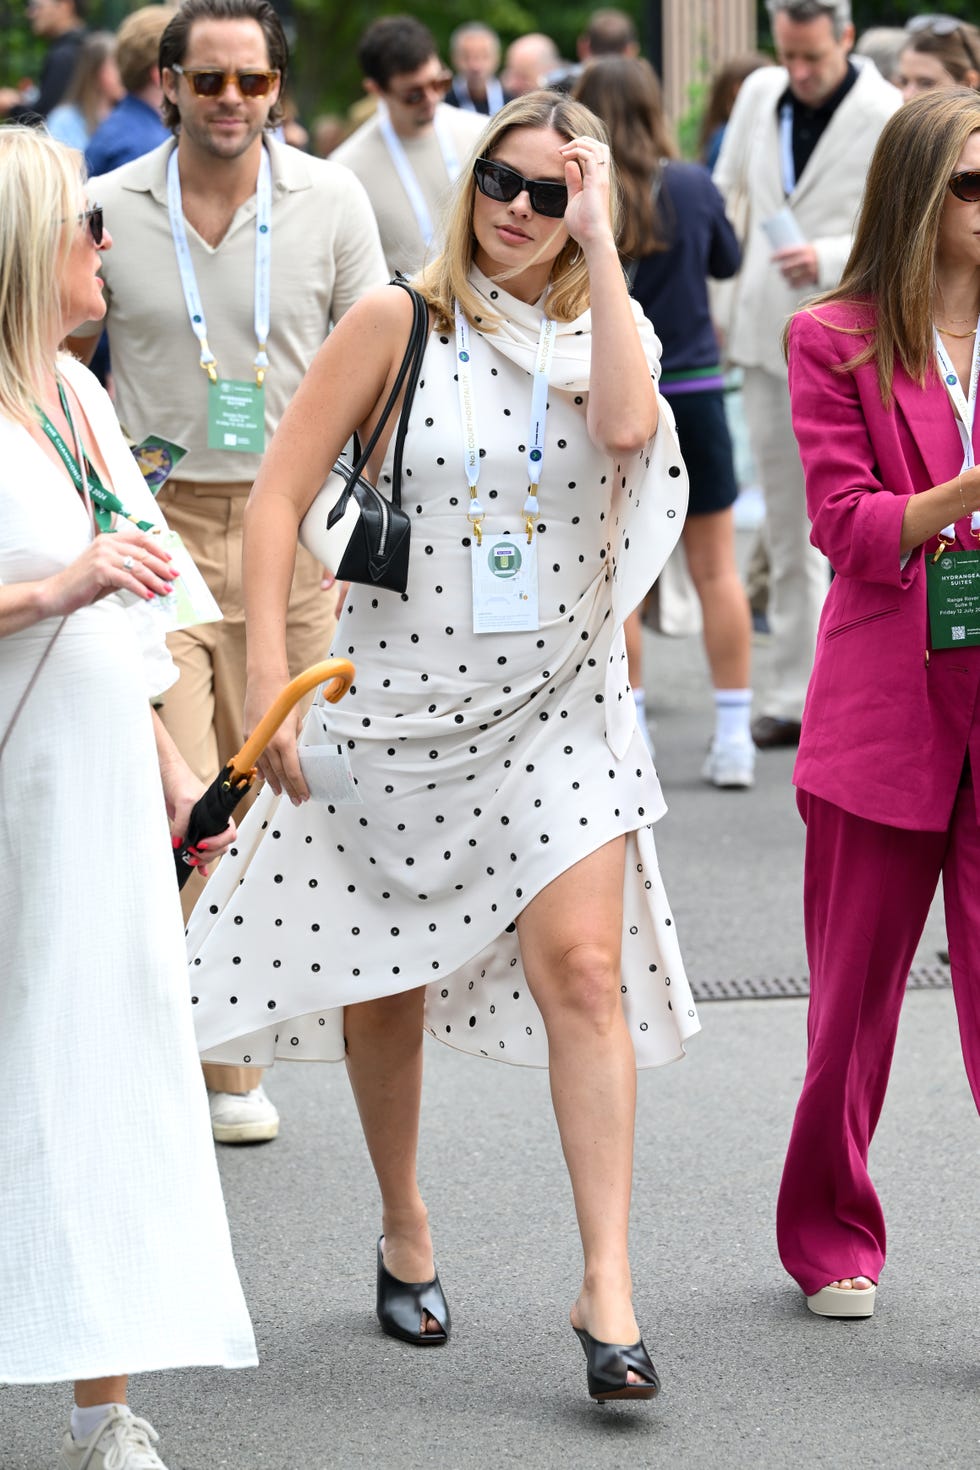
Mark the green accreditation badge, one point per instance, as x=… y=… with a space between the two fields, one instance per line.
x=236 y=416
x=954 y=599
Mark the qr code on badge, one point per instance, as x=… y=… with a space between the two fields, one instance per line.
x=958 y=633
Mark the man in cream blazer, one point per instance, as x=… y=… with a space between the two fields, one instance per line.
x=796 y=152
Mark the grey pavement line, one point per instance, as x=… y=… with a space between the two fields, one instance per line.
x=792 y=987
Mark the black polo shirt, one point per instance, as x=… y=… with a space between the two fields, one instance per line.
x=809 y=123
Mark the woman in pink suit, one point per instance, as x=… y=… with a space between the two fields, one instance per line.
x=883 y=380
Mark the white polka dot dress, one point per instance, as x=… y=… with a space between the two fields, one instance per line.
x=486 y=764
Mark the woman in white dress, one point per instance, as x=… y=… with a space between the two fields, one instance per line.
x=114 y=1247
x=502 y=848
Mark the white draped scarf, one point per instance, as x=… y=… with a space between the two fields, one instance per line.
x=650 y=488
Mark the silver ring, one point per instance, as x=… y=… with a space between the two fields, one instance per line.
x=128 y=564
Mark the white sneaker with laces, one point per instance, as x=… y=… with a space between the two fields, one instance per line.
x=120 y=1442
x=243 y=1117
x=730 y=766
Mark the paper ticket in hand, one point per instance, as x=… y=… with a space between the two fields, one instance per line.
x=782 y=229
x=190 y=602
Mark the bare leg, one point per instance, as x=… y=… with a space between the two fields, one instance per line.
x=92 y=1391
x=633 y=632
x=220 y=1078
x=571 y=937
x=384 y=1063
x=709 y=546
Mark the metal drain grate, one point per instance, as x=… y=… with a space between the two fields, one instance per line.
x=790 y=987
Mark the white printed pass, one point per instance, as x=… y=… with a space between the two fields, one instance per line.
x=505 y=584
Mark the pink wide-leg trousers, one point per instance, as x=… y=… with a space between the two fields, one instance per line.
x=867 y=891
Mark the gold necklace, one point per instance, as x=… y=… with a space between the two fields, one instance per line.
x=958 y=321
x=961 y=336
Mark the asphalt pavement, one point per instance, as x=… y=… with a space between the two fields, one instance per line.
x=750 y=1379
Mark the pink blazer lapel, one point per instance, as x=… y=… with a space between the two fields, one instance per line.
x=932 y=423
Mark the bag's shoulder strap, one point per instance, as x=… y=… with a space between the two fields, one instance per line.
x=411 y=364
x=416 y=348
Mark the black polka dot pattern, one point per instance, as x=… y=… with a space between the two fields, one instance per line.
x=483 y=766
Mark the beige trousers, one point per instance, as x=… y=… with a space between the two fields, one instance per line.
x=203 y=710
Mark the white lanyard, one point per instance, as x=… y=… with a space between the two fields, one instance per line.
x=495 y=96
x=263 y=267
x=406 y=172
x=786 y=160
x=535 y=437
x=964 y=409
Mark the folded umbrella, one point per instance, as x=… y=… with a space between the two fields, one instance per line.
x=211 y=812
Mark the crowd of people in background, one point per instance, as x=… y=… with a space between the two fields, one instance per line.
x=561 y=249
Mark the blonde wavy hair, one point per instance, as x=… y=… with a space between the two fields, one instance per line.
x=40 y=197
x=447 y=278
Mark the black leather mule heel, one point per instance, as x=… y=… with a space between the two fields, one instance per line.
x=401 y=1305
x=608 y=1365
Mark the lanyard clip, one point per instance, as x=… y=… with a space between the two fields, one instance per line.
x=261 y=365
x=475 y=515
x=208 y=361
x=943 y=546
x=530 y=511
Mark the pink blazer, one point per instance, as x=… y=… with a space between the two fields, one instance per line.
x=885 y=730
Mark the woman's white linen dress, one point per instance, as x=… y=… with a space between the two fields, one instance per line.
x=114 y=1249
x=486 y=764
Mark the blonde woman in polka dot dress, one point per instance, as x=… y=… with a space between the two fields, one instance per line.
x=497 y=881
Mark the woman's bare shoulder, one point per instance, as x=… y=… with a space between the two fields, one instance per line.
x=383 y=307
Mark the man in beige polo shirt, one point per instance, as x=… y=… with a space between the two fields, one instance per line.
x=265 y=247
x=409 y=154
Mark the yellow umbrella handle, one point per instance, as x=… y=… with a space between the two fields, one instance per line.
x=340 y=674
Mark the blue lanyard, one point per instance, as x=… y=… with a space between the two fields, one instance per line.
x=787 y=162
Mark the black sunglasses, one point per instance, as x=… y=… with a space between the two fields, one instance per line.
x=439 y=85
x=499 y=182
x=966 y=186
x=206 y=82
x=96 y=224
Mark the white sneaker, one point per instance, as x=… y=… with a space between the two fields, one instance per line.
x=731 y=767
x=120 y=1442
x=242 y=1117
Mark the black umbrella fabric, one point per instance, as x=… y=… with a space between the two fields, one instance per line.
x=212 y=811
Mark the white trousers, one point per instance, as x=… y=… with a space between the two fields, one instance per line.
x=798 y=573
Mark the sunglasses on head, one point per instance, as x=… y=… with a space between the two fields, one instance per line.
x=966 y=186
x=499 y=182
x=439 y=85
x=208 y=82
x=941 y=25
x=96 y=224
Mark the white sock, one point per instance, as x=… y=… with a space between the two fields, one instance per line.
x=733 y=708
x=86 y=1421
x=641 y=718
